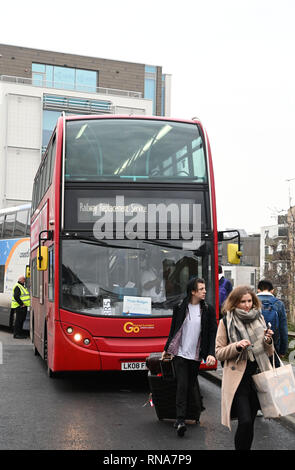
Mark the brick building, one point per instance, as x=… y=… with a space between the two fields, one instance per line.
x=36 y=85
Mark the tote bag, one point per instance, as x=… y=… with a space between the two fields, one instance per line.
x=276 y=391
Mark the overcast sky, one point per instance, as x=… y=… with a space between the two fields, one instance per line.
x=232 y=64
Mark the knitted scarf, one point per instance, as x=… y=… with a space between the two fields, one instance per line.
x=251 y=326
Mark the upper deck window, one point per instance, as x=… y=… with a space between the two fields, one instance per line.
x=134 y=149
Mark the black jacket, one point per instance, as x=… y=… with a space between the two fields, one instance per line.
x=208 y=326
x=16 y=294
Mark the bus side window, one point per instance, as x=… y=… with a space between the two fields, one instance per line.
x=21 y=223
x=33 y=198
x=46 y=178
x=34 y=278
x=42 y=174
x=51 y=275
x=51 y=154
x=37 y=189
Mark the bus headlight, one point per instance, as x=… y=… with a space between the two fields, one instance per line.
x=80 y=337
x=77 y=337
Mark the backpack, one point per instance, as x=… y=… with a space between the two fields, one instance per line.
x=270 y=313
x=222 y=292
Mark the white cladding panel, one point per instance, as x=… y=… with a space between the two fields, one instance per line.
x=21 y=124
x=23 y=121
x=21 y=167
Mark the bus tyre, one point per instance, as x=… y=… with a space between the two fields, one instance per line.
x=50 y=373
x=36 y=352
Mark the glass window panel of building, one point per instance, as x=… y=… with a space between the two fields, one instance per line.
x=86 y=80
x=65 y=78
x=163 y=96
x=150 y=84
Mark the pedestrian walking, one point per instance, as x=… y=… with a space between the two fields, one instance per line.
x=20 y=303
x=225 y=287
x=191 y=339
x=274 y=312
x=244 y=343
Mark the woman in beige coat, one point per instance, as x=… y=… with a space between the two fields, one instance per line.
x=244 y=343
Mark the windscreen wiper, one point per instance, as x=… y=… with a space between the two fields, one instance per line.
x=108 y=245
x=160 y=243
x=94 y=241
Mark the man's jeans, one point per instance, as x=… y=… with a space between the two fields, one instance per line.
x=186 y=371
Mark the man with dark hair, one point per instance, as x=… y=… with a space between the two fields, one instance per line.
x=265 y=285
x=225 y=288
x=191 y=339
x=274 y=313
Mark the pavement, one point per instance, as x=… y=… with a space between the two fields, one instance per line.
x=216 y=377
x=6 y=338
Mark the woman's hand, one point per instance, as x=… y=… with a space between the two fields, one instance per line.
x=268 y=335
x=210 y=361
x=243 y=344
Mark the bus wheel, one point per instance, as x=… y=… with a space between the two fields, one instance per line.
x=50 y=373
x=36 y=352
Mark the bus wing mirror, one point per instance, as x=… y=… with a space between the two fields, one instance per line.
x=233 y=253
x=28 y=272
x=42 y=253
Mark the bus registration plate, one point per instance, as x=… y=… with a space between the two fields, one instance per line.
x=133 y=366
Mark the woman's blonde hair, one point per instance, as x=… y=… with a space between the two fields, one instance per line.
x=235 y=297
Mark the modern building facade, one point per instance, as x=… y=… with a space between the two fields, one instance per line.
x=247 y=272
x=242 y=275
x=275 y=257
x=36 y=86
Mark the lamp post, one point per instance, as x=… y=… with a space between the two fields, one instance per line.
x=291 y=243
x=290 y=199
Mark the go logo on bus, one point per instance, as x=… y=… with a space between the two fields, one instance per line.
x=129 y=327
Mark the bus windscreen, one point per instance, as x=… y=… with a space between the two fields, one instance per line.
x=98 y=275
x=141 y=150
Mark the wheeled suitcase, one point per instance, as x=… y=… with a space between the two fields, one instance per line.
x=164 y=398
x=162 y=385
x=153 y=363
x=157 y=365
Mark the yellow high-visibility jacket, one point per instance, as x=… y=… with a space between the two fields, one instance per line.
x=25 y=296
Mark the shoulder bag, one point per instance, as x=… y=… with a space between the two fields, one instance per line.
x=276 y=390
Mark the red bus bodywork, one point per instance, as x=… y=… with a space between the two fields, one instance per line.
x=112 y=340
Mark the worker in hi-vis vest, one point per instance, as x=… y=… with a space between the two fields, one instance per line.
x=20 y=303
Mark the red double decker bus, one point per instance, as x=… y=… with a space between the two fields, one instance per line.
x=123 y=215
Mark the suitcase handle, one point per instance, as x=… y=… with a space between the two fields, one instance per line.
x=167 y=357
